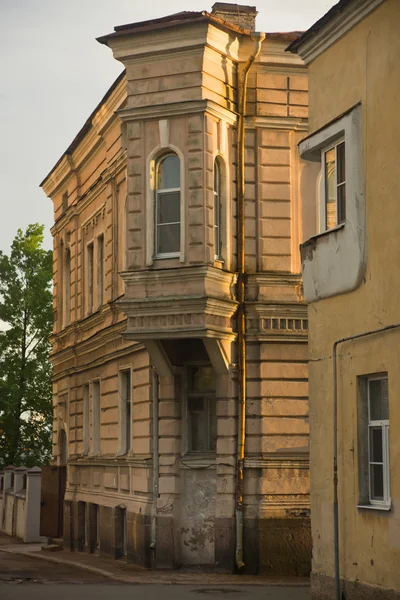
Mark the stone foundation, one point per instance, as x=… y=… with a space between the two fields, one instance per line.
x=323 y=588
x=277 y=546
x=270 y=546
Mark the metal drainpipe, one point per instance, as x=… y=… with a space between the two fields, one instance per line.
x=241 y=324
x=335 y=448
x=154 y=386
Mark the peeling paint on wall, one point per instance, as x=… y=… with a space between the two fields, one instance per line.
x=197 y=516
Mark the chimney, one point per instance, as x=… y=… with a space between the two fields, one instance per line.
x=238 y=14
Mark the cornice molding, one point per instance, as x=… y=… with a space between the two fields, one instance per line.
x=336 y=28
x=177 y=109
x=100 y=212
x=285 y=123
x=104 y=117
x=190 y=274
x=110 y=172
x=272 y=279
x=291 y=461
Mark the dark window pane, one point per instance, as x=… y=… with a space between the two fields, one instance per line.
x=341 y=172
x=216 y=177
x=198 y=426
x=376 y=482
x=202 y=379
x=375 y=444
x=168 y=238
x=378 y=400
x=168 y=173
x=341 y=199
x=217 y=225
x=330 y=188
x=168 y=208
x=196 y=404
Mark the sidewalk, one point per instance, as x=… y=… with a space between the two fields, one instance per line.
x=118 y=570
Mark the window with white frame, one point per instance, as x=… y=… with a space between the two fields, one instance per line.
x=374 y=443
x=378 y=440
x=217 y=209
x=334 y=185
x=201 y=409
x=167 y=207
x=125 y=412
x=337 y=148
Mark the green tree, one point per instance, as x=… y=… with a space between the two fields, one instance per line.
x=25 y=370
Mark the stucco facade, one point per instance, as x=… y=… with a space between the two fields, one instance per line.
x=368 y=553
x=144 y=344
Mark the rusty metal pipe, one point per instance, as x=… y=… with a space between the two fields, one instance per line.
x=241 y=316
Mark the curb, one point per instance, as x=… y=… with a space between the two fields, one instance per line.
x=132 y=580
x=69 y=563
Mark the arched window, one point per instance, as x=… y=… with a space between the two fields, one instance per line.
x=217 y=209
x=168 y=207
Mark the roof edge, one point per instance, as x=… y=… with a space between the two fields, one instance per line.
x=85 y=128
x=342 y=17
x=174 y=20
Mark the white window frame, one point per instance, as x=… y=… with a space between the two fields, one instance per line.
x=152 y=160
x=323 y=188
x=384 y=425
x=125 y=445
x=325 y=253
x=157 y=192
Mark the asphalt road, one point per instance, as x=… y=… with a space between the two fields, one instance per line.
x=24 y=578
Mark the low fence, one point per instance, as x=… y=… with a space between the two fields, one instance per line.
x=20 y=502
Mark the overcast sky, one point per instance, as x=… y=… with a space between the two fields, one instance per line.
x=53 y=73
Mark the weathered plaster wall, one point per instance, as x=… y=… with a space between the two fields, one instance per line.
x=369 y=539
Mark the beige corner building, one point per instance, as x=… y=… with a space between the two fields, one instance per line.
x=351 y=277
x=151 y=396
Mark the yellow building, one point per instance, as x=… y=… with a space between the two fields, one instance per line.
x=167 y=461
x=351 y=276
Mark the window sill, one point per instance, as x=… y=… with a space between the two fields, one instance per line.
x=202 y=460
x=384 y=507
x=327 y=232
x=166 y=256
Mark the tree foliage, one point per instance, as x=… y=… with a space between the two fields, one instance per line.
x=25 y=371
